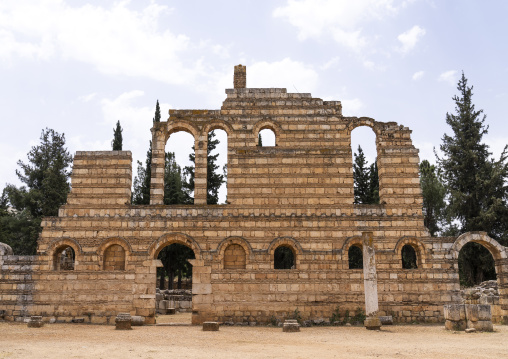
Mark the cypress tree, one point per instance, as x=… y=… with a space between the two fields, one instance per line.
x=141 y=187
x=157 y=117
x=214 y=179
x=433 y=193
x=475 y=182
x=117 y=137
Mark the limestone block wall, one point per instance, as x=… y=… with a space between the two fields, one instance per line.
x=297 y=194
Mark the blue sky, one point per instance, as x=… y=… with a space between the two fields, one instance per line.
x=78 y=66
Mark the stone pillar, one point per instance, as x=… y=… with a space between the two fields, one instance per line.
x=201 y=153
x=240 y=78
x=370 y=282
x=157 y=172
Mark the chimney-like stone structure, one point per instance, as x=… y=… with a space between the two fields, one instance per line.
x=240 y=80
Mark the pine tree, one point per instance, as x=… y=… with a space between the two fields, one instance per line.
x=214 y=180
x=433 y=193
x=475 y=182
x=117 y=139
x=373 y=183
x=46 y=178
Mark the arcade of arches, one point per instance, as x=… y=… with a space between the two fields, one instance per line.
x=286 y=238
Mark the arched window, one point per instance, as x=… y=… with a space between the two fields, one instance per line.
x=409 y=258
x=266 y=138
x=365 y=172
x=234 y=257
x=355 y=257
x=179 y=166
x=216 y=192
x=114 y=258
x=284 y=258
x=64 y=258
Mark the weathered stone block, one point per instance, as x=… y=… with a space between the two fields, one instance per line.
x=123 y=321
x=290 y=326
x=372 y=323
x=210 y=326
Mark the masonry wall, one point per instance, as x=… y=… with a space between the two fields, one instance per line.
x=298 y=194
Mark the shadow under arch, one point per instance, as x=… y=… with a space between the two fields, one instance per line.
x=419 y=248
x=348 y=243
x=170 y=238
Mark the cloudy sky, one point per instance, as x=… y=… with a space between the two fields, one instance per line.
x=80 y=66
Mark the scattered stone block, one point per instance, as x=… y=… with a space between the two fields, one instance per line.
x=470 y=330
x=35 y=322
x=137 y=320
x=210 y=326
x=77 y=320
x=386 y=320
x=291 y=326
x=123 y=321
x=372 y=323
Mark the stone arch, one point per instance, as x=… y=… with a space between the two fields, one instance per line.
x=56 y=248
x=233 y=240
x=181 y=125
x=267 y=124
x=350 y=242
x=218 y=124
x=497 y=250
x=5 y=250
x=355 y=122
x=107 y=243
x=419 y=248
x=170 y=238
x=289 y=242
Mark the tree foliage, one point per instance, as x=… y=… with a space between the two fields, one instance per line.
x=476 y=183
x=45 y=177
x=175 y=263
x=143 y=179
x=117 y=137
x=214 y=179
x=433 y=192
x=366 y=182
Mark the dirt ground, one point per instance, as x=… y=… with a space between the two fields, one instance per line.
x=99 y=341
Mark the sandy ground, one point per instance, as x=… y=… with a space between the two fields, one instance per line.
x=99 y=341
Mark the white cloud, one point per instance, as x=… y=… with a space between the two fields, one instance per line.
x=116 y=40
x=418 y=75
x=409 y=38
x=352 y=107
x=341 y=18
x=87 y=98
x=293 y=75
x=449 y=77
x=330 y=63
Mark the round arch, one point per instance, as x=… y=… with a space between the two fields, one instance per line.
x=355 y=122
x=218 y=124
x=62 y=242
x=105 y=244
x=267 y=124
x=181 y=125
x=350 y=242
x=497 y=250
x=233 y=240
x=5 y=249
x=419 y=248
x=170 y=238
x=286 y=242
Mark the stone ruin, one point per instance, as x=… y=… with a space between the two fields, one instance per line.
x=170 y=301
x=297 y=195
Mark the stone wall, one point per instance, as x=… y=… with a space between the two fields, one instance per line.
x=298 y=194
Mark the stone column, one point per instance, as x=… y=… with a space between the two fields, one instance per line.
x=157 y=172
x=240 y=77
x=370 y=281
x=200 y=171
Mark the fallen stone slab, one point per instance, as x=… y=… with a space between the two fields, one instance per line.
x=210 y=326
x=290 y=326
x=137 y=320
x=386 y=319
x=35 y=322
